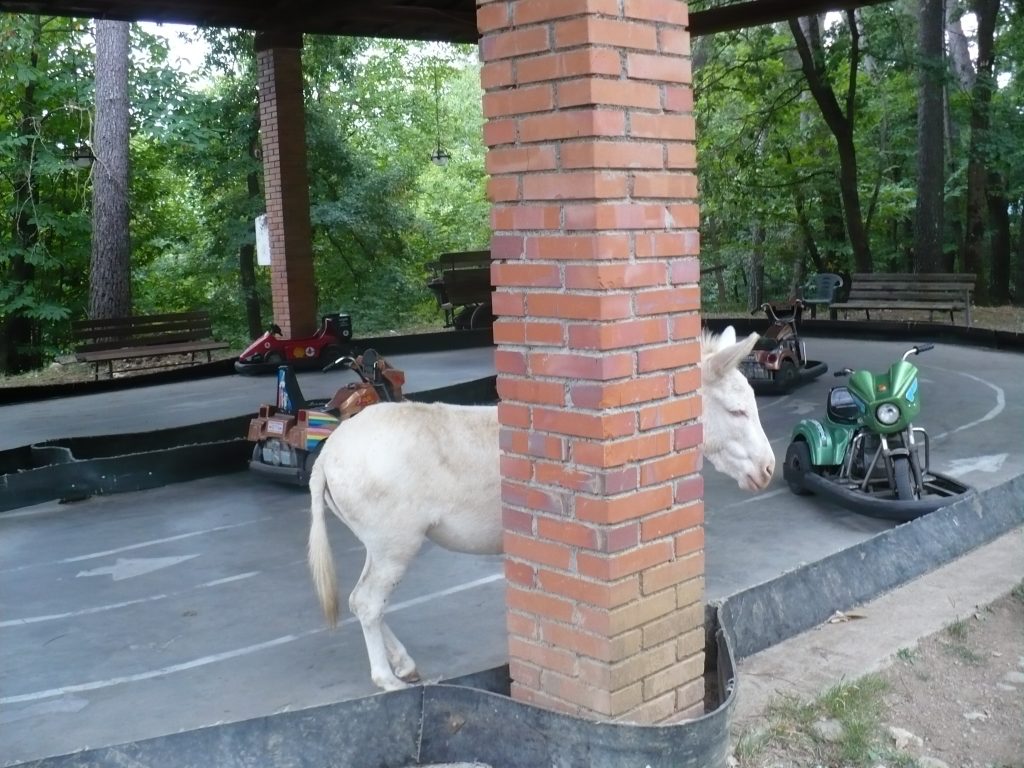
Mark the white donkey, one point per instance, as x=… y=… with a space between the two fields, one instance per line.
x=400 y=473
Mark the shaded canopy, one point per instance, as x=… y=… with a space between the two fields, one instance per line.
x=449 y=20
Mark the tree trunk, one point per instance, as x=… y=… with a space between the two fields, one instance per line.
x=1000 y=241
x=1018 y=293
x=755 y=286
x=977 y=173
x=928 y=213
x=807 y=35
x=110 y=272
x=247 y=255
x=963 y=69
x=17 y=352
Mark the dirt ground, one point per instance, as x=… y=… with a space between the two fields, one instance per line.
x=961 y=692
x=955 y=700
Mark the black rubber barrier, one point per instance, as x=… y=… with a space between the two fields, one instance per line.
x=883 y=330
x=470 y=719
x=72 y=469
x=766 y=614
x=386 y=345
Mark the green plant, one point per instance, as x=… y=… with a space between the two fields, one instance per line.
x=906 y=655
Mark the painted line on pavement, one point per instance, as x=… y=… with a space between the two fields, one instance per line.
x=203 y=661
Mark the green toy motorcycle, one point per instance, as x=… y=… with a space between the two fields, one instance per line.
x=866 y=453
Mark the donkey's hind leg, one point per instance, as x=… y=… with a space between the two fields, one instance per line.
x=382 y=571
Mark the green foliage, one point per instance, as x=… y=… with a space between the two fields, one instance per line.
x=380 y=211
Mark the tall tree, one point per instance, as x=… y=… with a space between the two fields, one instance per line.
x=930 y=171
x=807 y=35
x=110 y=273
x=986 y=12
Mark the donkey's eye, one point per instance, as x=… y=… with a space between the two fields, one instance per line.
x=739 y=413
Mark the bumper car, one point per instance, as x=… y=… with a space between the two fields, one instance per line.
x=778 y=362
x=331 y=341
x=288 y=435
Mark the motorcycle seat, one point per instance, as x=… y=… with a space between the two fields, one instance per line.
x=842 y=408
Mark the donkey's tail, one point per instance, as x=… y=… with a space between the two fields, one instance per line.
x=321 y=560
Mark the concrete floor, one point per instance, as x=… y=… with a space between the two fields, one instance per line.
x=140 y=614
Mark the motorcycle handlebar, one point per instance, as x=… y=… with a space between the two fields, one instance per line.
x=347 y=361
x=916 y=350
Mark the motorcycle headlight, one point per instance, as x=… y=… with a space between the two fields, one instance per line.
x=887 y=414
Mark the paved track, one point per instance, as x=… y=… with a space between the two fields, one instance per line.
x=140 y=614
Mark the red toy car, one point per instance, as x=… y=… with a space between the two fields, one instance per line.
x=330 y=342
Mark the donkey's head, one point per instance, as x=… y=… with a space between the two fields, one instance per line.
x=734 y=441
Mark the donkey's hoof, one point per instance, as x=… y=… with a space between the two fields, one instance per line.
x=412 y=676
x=390 y=684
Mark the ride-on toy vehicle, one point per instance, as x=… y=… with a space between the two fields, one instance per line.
x=289 y=434
x=779 y=359
x=866 y=454
x=332 y=340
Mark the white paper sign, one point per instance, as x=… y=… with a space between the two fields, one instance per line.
x=262 y=241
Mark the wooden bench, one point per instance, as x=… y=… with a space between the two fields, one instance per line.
x=461 y=283
x=931 y=293
x=144 y=336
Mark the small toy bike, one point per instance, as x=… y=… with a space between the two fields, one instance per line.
x=866 y=453
x=779 y=359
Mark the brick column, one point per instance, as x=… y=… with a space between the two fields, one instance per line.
x=591 y=157
x=283 y=141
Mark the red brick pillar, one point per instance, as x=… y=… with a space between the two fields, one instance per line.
x=283 y=140
x=591 y=156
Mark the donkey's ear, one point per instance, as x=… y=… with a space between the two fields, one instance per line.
x=728 y=338
x=728 y=357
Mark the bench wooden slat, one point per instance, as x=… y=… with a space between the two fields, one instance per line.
x=941 y=292
x=126 y=338
x=127 y=353
x=461 y=279
x=910 y=277
x=467 y=286
x=459 y=259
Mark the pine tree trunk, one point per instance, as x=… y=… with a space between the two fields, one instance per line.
x=977 y=173
x=1000 y=242
x=110 y=272
x=247 y=253
x=755 y=286
x=928 y=214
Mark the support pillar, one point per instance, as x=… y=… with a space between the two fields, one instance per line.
x=591 y=157
x=286 y=180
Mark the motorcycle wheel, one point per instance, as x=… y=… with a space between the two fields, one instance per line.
x=798 y=464
x=787 y=375
x=904 y=475
x=308 y=462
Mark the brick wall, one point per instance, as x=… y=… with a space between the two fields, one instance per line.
x=591 y=158
x=283 y=142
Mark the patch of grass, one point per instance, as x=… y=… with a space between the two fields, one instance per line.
x=906 y=655
x=857 y=706
x=964 y=653
x=1018 y=592
x=959 y=630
